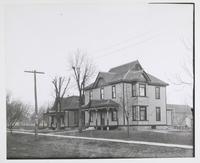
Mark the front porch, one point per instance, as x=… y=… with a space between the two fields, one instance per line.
x=52 y=119
x=101 y=114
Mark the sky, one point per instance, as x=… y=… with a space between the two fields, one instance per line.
x=43 y=36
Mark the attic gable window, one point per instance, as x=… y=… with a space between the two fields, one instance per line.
x=113 y=91
x=101 y=93
x=142 y=90
x=137 y=67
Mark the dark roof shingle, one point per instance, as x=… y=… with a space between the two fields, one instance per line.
x=129 y=72
x=70 y=103
x=101 y=103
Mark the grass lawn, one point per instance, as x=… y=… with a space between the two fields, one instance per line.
x=24 y=146
x=184 y=137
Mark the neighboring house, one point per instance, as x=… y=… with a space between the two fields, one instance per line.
x=69 y=113
x=125 y=91
x=179 y=115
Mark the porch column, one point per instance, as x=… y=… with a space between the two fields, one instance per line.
x=49 y=121
x=96 y=118
x=117 y=118
x=89 y=114
x=107 y=117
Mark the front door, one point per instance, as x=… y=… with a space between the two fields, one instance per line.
x=102 y=116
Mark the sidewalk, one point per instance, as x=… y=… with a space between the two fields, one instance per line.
x=111 y=140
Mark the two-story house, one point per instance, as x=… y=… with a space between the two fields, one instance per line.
x=125 y=94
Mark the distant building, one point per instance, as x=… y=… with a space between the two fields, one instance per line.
x=179 y=115
x=125 y=91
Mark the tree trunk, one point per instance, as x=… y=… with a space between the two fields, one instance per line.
x=80 y=114
x=80 y=120
x=127 y=126
x=58 y=119
x=58 y=123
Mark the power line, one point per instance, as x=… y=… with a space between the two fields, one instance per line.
x=119 y=43
x=126 y=47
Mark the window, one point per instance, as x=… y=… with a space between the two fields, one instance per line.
x=134 y=113
x=142 y=89
x=91 y=116
x=114 y=115
x=157 y=92
x=143 y=113
x=62 y=119
x=90 y=94
x=133 y=90
x=158 y=115
x=113 y=91
x=101 y=93
x=52 y=119
x=75 y=117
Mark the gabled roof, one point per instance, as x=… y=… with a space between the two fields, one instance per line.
x=129 y=72
x=135 y=65
x=156 y=81
x=69 y=103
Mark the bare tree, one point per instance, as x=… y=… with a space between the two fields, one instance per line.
x=16 y=112
x=41 y=117
x=83 y=69
x=127 y=109
x=60 y=87
x=184 y=79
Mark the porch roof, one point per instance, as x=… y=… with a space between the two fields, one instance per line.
x=100 y=104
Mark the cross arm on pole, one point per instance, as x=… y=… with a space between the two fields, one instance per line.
x=38 y=72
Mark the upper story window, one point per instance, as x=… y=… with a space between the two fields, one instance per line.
x=113 y=91
x=90 y=94
x=143 y=113
x=101 y=93
x=133 y=90
x=157 y=92
x=158 y=114
x=142 y=89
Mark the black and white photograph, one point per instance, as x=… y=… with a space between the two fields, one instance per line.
x=99 y=79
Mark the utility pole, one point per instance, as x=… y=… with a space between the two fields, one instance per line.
x=36 y=106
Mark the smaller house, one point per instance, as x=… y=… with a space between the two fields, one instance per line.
x=69 y=113
x=179 y=116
